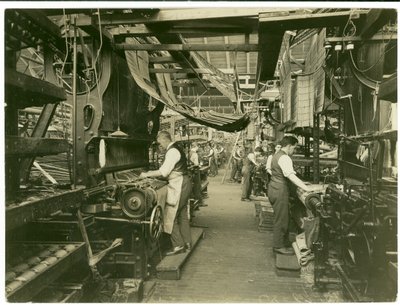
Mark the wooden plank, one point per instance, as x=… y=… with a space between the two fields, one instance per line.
x=303 y=161
x=376 y=37
x=177 y=15
x=90 y=26
x=25 y=90
x=162 y=59
x=42 y=124
x=24 y=212
x=25 y=147
x=170 y=267
x=173 y=70
x=295 y=21
x=200 y=30
x=189 y=47
x=42 y=21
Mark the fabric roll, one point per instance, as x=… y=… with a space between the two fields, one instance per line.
x=296 y=251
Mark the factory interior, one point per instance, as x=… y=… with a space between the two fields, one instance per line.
x=200 y=154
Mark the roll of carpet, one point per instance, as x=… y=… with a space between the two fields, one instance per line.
x=301 y=243
x=296 y=251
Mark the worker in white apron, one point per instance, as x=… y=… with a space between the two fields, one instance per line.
x=174 y=168
x=282 y=173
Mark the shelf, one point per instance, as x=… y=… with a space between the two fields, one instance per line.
x=47 y=262
x=18 y=214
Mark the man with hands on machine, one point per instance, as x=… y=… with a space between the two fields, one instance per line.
x=282 y=173
x=174 y=169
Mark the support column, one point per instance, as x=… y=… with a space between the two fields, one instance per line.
x=316 y=177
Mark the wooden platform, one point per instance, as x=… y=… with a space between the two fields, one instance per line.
x=170 y=267
x=287 y=265
x=264 y=213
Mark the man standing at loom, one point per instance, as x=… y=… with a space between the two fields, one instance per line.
x=278 y=193
x=174 y=168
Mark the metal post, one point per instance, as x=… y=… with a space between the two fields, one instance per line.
x=371 y=187
x=75 y=108
x=307 y=154
x=316 y=149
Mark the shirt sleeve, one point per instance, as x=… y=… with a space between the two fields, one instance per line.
x=252 y=157
x=194 y=158
x=286 y=165
x=171 y=158
x=269 y=162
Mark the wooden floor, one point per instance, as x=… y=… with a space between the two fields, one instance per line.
x=234 y=262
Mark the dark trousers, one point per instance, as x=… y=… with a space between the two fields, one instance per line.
x=197 y=186
x=247 y=185
x=213 y=167
x=181 y=230
x=278 y=195
x=235 y=168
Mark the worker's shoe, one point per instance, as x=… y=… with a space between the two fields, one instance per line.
x=188 y=246
x=284 y=251
x=176 y=250
x=246 y=199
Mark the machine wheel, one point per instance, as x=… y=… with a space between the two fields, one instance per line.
x=156 y=223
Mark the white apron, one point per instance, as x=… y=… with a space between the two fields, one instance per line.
x=174 y=189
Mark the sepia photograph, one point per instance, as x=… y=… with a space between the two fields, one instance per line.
x=200 y=153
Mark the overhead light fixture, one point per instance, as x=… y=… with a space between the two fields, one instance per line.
x=327 y=45
x=338 y=47
x=349 y=46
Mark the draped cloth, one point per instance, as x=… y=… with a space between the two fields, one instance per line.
x=162 y=91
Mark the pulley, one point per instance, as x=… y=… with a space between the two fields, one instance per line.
x=133 y=203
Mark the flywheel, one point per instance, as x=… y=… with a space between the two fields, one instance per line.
x=156 y=223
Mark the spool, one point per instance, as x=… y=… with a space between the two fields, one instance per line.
x=26 y=276
x=69 y=248
x=44 y=254
x=61 y=253
x=21 y=268
x=50 y=260
x=53 y=248
x=39 y=267
x=10 y=276
x=13 y=286
x=33 y=261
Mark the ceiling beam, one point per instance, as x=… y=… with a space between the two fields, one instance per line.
x=200 y=30
x=175 y=70
x=175 y=15
x=227 y=55
x=207 y=53
x=162 y=59
x=376 y=37
x=189 y=47
x=286 y=20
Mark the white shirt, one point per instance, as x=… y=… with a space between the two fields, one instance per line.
x=194 y=157
x=268 y=165
x=252 y=158
x=286 y=164
x=171 y=158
